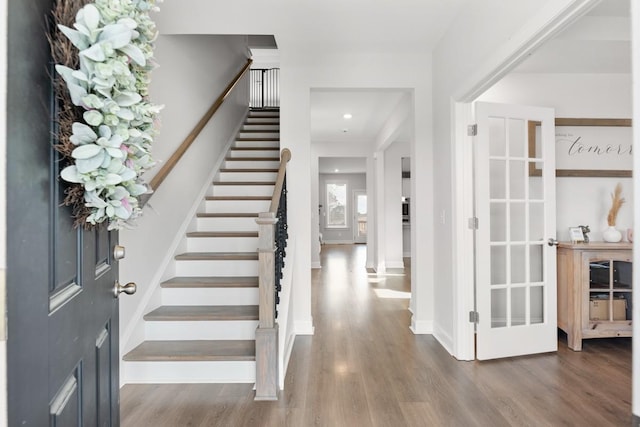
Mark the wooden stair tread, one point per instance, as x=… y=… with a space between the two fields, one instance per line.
x=249 y=170
x=217 y=256
x=222 y=234
x=240 y=183
x=227 y=215
x=211 y=282
x=227 y=350
x=250 y=198
x=203 y=312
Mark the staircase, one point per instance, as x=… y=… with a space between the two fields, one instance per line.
x=204 y=330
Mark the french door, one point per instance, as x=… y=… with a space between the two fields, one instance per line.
x=515 y=207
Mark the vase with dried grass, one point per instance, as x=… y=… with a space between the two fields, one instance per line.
x=611 y=234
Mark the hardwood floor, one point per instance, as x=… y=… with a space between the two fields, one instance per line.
x=363 y=367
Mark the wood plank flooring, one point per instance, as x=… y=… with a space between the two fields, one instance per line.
x=363 y=367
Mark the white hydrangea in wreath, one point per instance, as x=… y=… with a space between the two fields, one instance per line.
x=115 y=42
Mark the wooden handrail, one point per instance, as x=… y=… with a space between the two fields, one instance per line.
x=285 y=156
x=177 y=155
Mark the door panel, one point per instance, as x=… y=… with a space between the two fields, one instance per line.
x=515 y=205
x=62 y=348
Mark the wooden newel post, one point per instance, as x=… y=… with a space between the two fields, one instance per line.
x=267 y=331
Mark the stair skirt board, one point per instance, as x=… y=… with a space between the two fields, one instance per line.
x=209 y=296
x=189 y=372
x=201 y=330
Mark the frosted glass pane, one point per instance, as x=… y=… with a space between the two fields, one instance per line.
x=536 y=222
x=518 y=306
x=537 y=304
x=536 y=190
x=497 y=137
x=517 y=138
x=536 y=266
x=498 y=224
x=517 y=179
x=518 y=221
x=498 y=308
x=497 y=179
x=498 y=265
x=518 y=271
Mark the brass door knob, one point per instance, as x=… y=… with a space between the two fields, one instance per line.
x=129 y=289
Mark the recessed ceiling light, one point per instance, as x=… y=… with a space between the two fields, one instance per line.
x=336 y=170
x=347 y=116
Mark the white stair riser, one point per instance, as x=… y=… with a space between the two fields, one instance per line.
x=203 y=330
x=258 y=143
x=189 y=372
x=243 y=190
x=226 y=224
x=248 y=154
x=261 y=126
x=257 y=113
x=247 y=176
x=241 y=206
x=251 y=164
x=265 y=134
x=226 y=268
x=209 y=296
x=222 y=244
x=257 y=120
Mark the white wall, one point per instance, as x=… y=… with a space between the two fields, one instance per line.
x=193 y=71
x=355 y=181
x=3 y=208
x=579 y=201
x=477 y=50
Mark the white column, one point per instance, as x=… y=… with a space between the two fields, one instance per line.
x=380 y=212
x=371 y=212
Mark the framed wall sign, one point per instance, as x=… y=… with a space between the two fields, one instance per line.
x=588 y=147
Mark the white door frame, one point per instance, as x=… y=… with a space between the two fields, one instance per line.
x=495 y=68
x=354 y=214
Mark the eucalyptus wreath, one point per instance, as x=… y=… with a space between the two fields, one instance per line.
x=107 y=131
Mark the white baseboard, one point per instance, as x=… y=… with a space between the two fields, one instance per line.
x=422 y=327
x=337 y=242
x=406 y=254
x=395 y=264
x=304 y=327
x=444 y=339
x=316 y=264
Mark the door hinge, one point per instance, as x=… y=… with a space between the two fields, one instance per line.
x=474 y=317
x=472 y=130
x=473 y=223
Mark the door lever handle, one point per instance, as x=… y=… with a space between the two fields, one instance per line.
x=552 y=242
x=129 y=289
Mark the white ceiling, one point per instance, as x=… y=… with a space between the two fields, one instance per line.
x=335 y=165
x=370 y=109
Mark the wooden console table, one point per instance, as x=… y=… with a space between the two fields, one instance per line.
x=594 y=290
